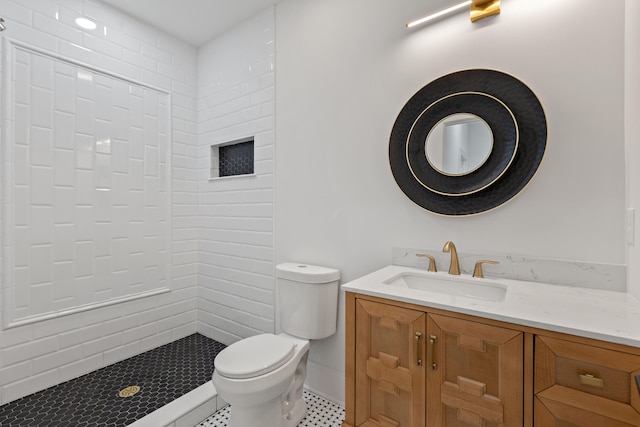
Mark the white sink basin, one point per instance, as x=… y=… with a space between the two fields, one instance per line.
x=443 y=283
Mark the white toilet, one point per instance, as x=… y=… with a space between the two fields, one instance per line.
x=262 y=376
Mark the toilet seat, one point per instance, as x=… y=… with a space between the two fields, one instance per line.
x=254 y=356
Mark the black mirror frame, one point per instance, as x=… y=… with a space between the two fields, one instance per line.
x=517 y=121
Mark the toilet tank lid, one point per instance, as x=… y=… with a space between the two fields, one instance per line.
x=306 y=273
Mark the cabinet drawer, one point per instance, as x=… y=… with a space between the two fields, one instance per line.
x=557 y=407
x=572 y=378
x=593 y=370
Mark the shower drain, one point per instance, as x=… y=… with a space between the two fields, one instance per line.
x=129 y=391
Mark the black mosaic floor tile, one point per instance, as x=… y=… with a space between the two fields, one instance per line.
x=163 y=374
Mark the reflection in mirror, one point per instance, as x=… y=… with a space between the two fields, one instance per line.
x=459 y=144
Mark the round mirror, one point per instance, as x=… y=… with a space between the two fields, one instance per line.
x=511 y=115
x=459 y=144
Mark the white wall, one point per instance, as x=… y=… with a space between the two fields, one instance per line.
x=235 y=245
x=38 y=355
x=345 y=69
x=632 y=136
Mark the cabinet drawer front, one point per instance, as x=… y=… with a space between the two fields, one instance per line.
x=593 y=370
x=554 y=413
x=593 y=378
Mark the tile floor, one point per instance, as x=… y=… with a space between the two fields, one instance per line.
x=163 y=374
x=320 y=413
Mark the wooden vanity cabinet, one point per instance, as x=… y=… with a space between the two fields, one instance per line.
x=409 y=368
x=584 y=385
x=412 y=366
x=474 y=375
x=389 y=371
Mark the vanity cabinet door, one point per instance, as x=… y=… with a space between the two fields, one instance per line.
x=584 y=385
x=474 y=374
x=389 y=372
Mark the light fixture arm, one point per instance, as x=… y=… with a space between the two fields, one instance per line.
x=481 y=9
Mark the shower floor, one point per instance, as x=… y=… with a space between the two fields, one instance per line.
x=150 y=380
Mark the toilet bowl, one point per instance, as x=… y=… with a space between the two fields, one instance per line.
x=262 y=376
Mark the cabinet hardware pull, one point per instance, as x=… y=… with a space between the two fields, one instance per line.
x=589 y=379
x=432 y=352
x=638 y=382
x=417 y=341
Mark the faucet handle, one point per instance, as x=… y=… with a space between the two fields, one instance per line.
x=477 y=271
x=432 y=261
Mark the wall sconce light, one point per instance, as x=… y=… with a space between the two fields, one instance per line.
x=478 y=9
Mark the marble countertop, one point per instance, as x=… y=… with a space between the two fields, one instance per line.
x=604 y=315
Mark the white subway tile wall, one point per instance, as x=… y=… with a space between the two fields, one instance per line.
x=42 y=354
x=236 y=101
x=98 y=210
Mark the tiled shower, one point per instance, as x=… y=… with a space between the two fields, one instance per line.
x=115 y=238
x=88 y=223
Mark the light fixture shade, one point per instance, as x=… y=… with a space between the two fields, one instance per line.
x=439 y=14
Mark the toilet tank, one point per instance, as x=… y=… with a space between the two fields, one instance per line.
x=307 y=300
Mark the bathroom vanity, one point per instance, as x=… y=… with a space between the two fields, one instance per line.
x=427 y=349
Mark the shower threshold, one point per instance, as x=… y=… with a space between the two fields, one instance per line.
x=186 y=411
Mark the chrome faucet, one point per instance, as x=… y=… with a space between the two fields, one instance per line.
x=454 y=267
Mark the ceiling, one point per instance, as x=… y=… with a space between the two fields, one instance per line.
x=199 y=21
x=194 y=21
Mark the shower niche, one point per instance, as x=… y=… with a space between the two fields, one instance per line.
x=233 y=158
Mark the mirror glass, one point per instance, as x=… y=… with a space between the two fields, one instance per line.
x=459 y=144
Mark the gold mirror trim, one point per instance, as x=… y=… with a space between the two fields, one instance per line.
x=515 y=150
x=481 y=9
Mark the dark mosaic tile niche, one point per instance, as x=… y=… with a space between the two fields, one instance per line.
x=163 y=374
x=236 y=159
